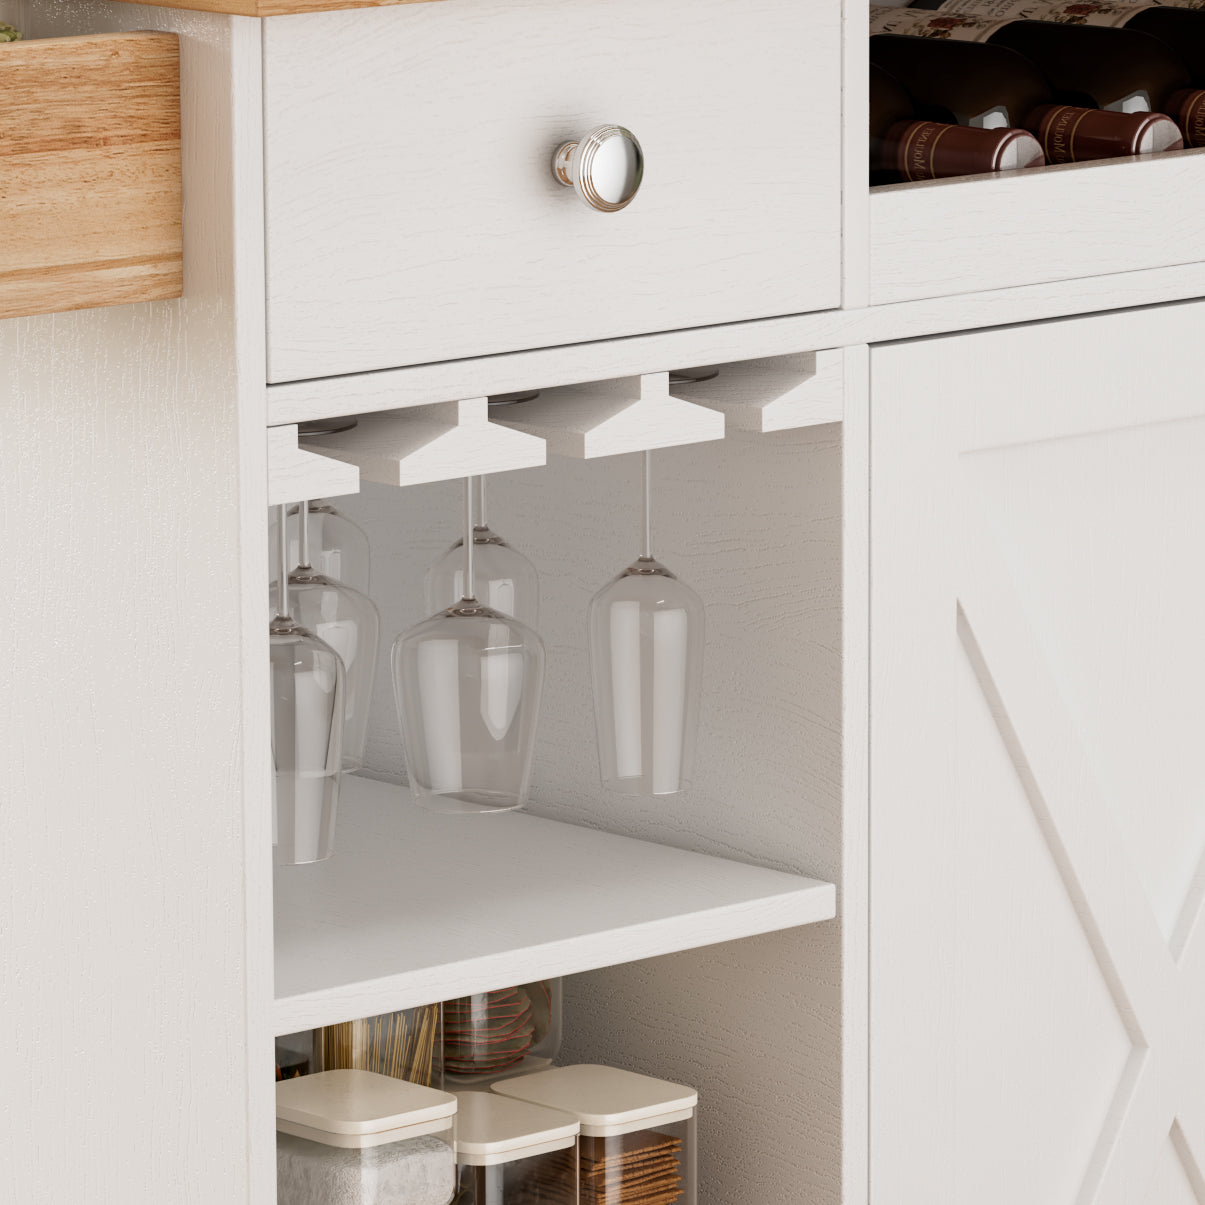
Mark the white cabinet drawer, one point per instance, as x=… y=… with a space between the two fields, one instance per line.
x=412 y=215
x=944 y=237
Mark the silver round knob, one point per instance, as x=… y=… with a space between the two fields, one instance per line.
x=605 y=168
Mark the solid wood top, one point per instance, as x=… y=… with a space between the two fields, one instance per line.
x=90 y=142
x=275 y=8
x=416 y=907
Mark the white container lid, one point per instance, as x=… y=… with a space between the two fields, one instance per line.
x=497 y=1129
x=358 y=1108
x=606 y=1100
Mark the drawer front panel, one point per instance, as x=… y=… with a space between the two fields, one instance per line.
x=945 y=237
x=412 y=215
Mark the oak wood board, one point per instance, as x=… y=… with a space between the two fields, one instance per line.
x=90 y=188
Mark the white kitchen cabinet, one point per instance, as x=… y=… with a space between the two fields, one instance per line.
x=1037 y=831
x=976 y=1041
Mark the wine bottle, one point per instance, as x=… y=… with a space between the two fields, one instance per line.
x=1181 y=27
x=1124 y=70
x=982 y=85
x=903 y=148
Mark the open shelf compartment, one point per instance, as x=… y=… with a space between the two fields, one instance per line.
x=416 y=906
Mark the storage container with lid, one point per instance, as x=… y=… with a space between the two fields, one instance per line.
x=638 y=1142
x=510 y=1152
x=509 y=1031
x=358 y=1138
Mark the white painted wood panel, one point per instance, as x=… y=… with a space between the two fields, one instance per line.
x=755 y=524
x=412 y=214
x=608 y=418
x=468 y=906
x=1037 y=835
x=431 y=443
x=135 y=980
x=295 y=474
x=1028 y=227
x=303 y=400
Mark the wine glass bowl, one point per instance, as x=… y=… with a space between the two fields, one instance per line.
x=646 y=631
x=349 y=623
x=646 y=634
x=307 y=743
x=467 y=682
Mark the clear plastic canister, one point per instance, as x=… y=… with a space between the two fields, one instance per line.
x=405 y=1045
x=358 y=1138
x=638 y=1139
x=509 y=1152
x=509 y=1031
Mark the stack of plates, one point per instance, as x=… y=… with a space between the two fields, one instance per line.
x=489 y=1032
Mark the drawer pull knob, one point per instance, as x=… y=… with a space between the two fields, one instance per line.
x=605 y=168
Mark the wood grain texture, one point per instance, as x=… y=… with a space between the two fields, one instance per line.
x=275 y=8
x=295 y=474
x=377 y=257
x=90 y=159
x=552 y=366
x=532 y=898
x=1056 y=223
x=137 y=919
x=1035 y=704
x=754 y=523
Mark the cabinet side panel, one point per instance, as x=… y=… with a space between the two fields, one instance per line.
x=753 y=523
x=136 y=969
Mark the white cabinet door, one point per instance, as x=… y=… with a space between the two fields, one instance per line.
x=1038 y=765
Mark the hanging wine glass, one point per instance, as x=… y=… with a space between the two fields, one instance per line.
x=646 y=661
x=338 y=548
x=348 y=621
x=307 y=735
x=468 y=683
x=505 y=579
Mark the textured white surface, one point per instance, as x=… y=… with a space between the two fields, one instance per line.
x=1026 y=227
x=431 y=443
x=551 y=366
x=380 y=926
x=296 y=474
x=1037 y=654
x=607 y=418
x=754 y=523
x=136 y=929
x=412 y=211
x=776 y=394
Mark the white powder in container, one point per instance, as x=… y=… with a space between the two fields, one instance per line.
x=415 y=1171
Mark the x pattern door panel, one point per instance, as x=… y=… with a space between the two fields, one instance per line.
x=1038 y=766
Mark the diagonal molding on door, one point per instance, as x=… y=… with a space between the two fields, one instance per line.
x=1161 y=1004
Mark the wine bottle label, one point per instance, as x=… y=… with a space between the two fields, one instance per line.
x=1072 y=135
x=1067 y=12
x=1188 y=108
x=925 y=23
x=929 y=150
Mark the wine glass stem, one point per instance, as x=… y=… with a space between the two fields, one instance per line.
x=303 y=535
x=469 y=584
x=481 y=519
x=647 y=550
x=282 y=569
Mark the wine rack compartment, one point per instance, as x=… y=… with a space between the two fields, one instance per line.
x=945 y=237
x=90 y=200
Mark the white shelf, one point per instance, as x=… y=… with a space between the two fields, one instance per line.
x=416 y=907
